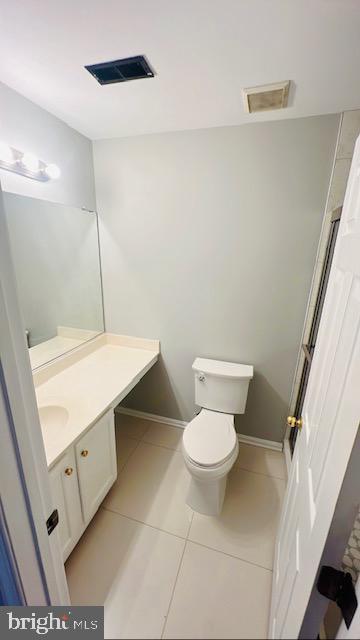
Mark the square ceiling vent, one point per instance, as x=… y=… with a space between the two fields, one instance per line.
x=266 y=97
x=121 y=70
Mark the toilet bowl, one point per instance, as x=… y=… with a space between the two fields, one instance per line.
x=210 y=445
x=210 y=448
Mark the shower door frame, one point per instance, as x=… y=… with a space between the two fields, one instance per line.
x=309 y=347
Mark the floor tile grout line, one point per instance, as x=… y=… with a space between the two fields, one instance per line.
x=126 y=435
x=145 y=524
x=173 y=590
x=182 y=550
x=190 y=523
x=153 y=444
x=163 y=446
x=127 y=459
x=259 y=473
x=159 y=446
x=236 y=466
x=229 y=555
x=193 y=513
x=145 y=432
x=163 y=424
x=187 y=539
x=181 y=563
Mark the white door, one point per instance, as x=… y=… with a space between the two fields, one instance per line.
x=331 y=415
x=96 y=464
x=65 y=492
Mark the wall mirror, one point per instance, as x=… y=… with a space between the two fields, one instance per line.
x=55 y=250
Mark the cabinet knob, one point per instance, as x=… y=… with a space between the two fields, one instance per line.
x=68 y=471
x=84 y=453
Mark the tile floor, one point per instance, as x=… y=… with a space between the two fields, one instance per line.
x=163 y=571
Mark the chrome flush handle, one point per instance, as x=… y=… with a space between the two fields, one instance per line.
x=201 y=377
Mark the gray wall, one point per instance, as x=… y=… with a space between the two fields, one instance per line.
x=27 y=127
x=56 y=257
x=208 y=243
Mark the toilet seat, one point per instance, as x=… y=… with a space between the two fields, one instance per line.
x=210 y=438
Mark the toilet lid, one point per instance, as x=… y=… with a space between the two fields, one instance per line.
x=210 y=438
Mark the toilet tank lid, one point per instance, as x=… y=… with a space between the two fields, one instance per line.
x=223 y=369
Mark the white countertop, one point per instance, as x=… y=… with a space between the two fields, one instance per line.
x=50 y=349
x=90 y=382
x=66 y=339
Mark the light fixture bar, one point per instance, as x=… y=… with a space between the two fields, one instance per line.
x=26 y=164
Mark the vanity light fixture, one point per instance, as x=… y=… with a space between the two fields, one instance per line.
x=26 y=164
x=6 y=154
x=53 y=171
x=30 y=161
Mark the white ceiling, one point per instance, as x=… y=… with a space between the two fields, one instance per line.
x=203 y=51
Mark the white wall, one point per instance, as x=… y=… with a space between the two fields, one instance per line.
x=208 y=242
x=27 y=127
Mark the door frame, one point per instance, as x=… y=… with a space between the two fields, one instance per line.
x=317 y=482
x=320 y=255
x=26 y=499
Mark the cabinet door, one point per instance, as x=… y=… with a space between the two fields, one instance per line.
x=65 y=492
x=96 y=464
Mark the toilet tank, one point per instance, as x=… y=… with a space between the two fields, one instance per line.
x=221 y=386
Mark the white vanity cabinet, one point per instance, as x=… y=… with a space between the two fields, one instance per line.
x=96 y=464
x=65 y=491
x=81 y=479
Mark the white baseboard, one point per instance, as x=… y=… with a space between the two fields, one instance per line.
x=256 y=442
x=261 y=442
x=151 y=416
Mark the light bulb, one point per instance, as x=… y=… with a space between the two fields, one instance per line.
x=6 y=154
x=52 y=171
x=30 y=161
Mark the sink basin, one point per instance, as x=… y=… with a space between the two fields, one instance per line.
x=53 y=417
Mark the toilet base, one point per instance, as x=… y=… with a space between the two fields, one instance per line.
x=207 y=497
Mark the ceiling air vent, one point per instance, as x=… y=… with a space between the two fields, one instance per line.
x=121 y=70
x=266 y=97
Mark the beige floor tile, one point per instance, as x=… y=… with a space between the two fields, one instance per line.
x=261 y=460
x=217 y=596
x=152 y=488
x=131 y=426
x=124 y=448
x=246 y=528
x=128 y=567
x=164 y=435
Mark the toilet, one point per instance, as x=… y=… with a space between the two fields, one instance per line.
x=210 y=445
